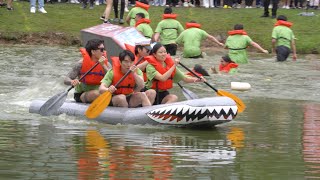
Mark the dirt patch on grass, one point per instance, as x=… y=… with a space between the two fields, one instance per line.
x=51 y=38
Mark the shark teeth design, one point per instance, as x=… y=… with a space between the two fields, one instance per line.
x=185 y=114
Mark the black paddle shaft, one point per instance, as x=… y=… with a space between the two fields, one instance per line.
x=85 y=74
x=197 y=76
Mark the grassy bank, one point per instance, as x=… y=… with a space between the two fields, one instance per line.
x=63 y=23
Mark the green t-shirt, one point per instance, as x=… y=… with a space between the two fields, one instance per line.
x=191 y=39
x=151 y=73
x=145 y=29
x=283 y=35
x=236 y=45
x=107 y=80
x=132 y=14
x=169 y=30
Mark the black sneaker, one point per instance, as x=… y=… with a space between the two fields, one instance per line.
x=10 y=9
x=106 y=22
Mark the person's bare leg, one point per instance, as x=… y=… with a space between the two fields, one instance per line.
x=151 y=94
x=107 y=11
x=139 y=98
x=119 y=101
x=90 y=96
x=171 y=98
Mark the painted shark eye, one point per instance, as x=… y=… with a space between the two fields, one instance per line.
x=185 y=114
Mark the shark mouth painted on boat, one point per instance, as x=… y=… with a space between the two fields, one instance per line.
x=184 y=114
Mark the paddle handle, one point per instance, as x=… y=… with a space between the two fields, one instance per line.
x=197 y=76
x=127 y=73
x=180 y=85
x=95 y=65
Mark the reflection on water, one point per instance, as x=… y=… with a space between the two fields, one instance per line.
x=311 y=139
x=277 y=137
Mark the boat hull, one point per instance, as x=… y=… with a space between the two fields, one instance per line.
x=197 y=112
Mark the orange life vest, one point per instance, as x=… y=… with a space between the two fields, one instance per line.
x=127 y=85
x=142 y=5
x=165 y=85
x=228 y=67
x=129 y=47
x=283 y=23
x=141 y=21
x=96 y=75
x=191 y=74
x=237 y=32
x=169 y=16
x=193 y=25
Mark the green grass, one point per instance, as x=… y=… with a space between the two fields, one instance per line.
x=67 y=20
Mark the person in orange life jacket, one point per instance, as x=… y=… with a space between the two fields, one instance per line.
x=162 y=71
x=283 y=39
x=143 y=25
x=227 y=65
x=142 y=6
x=191 y=39
x=237 y=43
x=127 y=94
x=88 y=89
x=167 y=31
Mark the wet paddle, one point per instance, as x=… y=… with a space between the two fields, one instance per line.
x=241 y=106
x=103 y=101
x=187 y=93
x=53 y=104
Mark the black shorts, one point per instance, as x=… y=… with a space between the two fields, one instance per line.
x=282 y=53
x=77 y=96
x=160 y=96
x=171 y=49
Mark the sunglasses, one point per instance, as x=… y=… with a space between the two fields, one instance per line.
x=101 y=49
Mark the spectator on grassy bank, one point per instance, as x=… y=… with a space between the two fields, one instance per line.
x=191 y=39
x=9 y=4
x=237 y=43
x=107 y=11
x=283 y=39
x=40 y=6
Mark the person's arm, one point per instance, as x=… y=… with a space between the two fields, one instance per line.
x=189 y=79
x=294 y=51
x=215 y=40
x=138 y=78
x=105 y=83
x=166 y=75
x=274 y=42
x=157 y=37
x=128 y=18
x=142 y=66
x=106 y=67
x=256 y=45
x=71 y=78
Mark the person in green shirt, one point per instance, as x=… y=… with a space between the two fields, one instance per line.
x=191 y=39
x=142 y=25
x=283 y=39
x=86 y=90
x=167 y=31
x=141 y=6
x=237 y=43
x=162 y=72
x=127 y=93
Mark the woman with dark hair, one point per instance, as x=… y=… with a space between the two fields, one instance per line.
x=162 y=72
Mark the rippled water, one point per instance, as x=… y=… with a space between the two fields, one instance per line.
x=277 y=137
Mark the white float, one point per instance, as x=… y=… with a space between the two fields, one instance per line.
x=240 y=86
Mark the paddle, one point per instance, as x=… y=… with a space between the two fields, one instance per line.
x=241 y=106
x=54 y=103
x=187 y=93
x=102 y=102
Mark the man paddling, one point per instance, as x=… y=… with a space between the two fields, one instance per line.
x=127 y=93
x=87 y=90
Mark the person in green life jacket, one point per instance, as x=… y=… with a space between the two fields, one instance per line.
x=87 y=90
x=142 y=25
x=283 y=39
x=127 y=93
x=167 y=31
x=191 y=39
x=162 y=72
x=142 y=6
x=237 y=43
